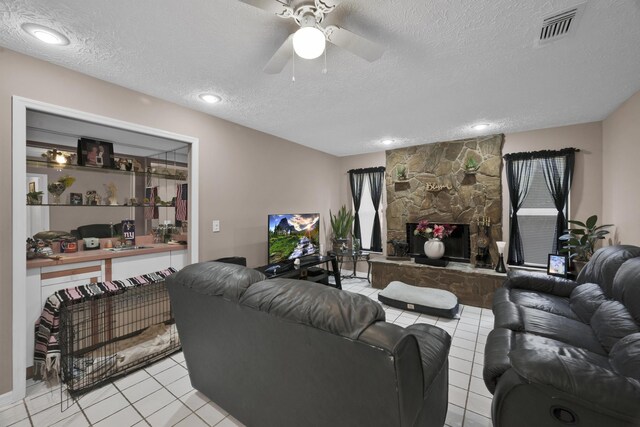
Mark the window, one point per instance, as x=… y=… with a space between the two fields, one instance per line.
x=367 y=189
x=537 y=219
x=539 y=184
x=367 y=212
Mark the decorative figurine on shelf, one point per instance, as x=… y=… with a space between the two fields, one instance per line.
x=38 y=249
x=483 y=257
x=112 y=194
x=400 y=248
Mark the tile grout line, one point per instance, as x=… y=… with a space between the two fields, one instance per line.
x=131 y=403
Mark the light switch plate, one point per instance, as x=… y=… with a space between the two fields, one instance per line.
x=216 y=225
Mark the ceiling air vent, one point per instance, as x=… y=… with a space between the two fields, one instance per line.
x=559 y=24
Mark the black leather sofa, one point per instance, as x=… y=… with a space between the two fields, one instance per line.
x=567 y=353
x=285 y=352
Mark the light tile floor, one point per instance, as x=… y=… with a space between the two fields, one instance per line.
x=161 y=394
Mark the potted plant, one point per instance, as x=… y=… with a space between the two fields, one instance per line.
x=580 y=240
x=471 y=166
x=341 y=224
x=34 y=198
x=401 y=173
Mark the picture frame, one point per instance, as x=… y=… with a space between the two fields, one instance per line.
x=95 y=154
x=75 y=199
x=558 y=265
x=32 y=187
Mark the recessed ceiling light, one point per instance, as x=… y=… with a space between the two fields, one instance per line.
x=387 y=141
x=46 y=35
x=480 y=126
x=210 y=98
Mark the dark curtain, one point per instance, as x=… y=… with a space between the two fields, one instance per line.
x=376 y=180
x=558 y=174
x=519 y=172
x=356 y=179
x=375 y=177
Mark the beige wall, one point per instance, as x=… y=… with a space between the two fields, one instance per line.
x=244 y=174
x=586 y=191
x=621 y=197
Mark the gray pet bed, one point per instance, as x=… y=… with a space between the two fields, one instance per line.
x=436 y=302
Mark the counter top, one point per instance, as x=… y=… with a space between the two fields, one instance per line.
x=102 y=254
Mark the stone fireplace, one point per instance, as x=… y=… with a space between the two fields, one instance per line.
x=457 y=246
x=437 y=186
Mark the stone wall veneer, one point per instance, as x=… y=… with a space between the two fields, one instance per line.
x=464 y=198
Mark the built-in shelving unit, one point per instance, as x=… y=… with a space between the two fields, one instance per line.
x=52 y=165
x=100 y=206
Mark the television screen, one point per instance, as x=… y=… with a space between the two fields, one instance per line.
x=293 y=236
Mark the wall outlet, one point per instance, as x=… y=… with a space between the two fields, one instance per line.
x=216 y=225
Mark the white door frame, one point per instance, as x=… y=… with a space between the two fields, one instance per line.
x=20 y=106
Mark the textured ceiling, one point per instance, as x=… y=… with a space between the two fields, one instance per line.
x=448 y=64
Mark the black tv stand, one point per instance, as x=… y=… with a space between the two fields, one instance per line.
x=306 y=270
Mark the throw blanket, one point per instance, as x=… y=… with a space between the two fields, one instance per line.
x=47 y=349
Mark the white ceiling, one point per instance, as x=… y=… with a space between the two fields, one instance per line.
x=448 y=64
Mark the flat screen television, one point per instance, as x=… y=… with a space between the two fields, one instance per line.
x=293 y=236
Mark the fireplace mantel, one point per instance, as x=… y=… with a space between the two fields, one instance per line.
x=472 y=286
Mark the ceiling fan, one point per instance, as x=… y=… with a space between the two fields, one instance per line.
x=309 y=41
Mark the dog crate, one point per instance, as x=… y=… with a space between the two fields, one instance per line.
x=109 y=335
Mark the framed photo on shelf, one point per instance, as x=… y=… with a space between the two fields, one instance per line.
x=75 y=199
x=558 y=265
x=93 y=153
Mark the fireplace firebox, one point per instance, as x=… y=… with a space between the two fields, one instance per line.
x=457 y=247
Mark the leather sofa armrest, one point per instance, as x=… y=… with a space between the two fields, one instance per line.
x=496 y=359
x=434 y=344
x=539 y=282
x=507 y=314
x=600 y=387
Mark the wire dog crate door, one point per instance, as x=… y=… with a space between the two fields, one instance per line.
x=110 y=335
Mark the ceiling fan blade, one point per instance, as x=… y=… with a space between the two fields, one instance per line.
x=327 y=6
x=354 y=43
x=281 y=57
x=272 y=6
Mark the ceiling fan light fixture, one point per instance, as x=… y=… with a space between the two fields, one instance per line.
x=309 y=42
x=387 y=141
x=45 y=35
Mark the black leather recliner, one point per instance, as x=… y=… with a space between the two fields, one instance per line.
x=285 y=352
x=567 y=352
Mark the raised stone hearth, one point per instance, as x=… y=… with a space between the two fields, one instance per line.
x=438 y=188
x=472 y=286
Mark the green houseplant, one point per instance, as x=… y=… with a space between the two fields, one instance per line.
x=581 y=239
x=34 y=198
x=471 y=165
x=401 y=173
x=341 y=224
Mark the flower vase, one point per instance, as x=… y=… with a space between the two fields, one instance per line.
x=56 y=189
x=434 y=248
